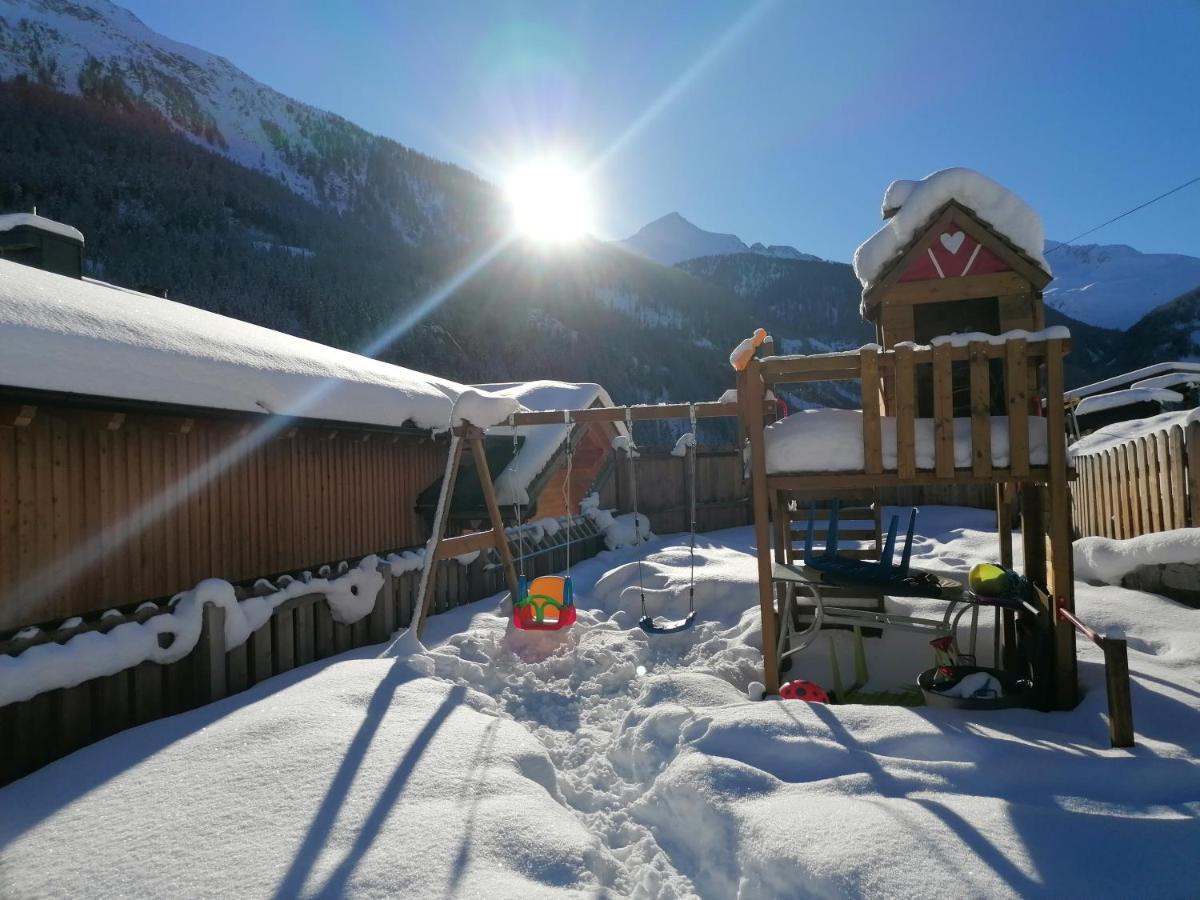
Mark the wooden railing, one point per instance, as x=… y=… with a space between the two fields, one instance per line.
x=301 y=630
x=1145 y=485
x=894 y=381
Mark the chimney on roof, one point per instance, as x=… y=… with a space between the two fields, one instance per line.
x=34 y=240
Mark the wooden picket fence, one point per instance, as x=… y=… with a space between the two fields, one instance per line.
x=301 y=630
x=1142 y=486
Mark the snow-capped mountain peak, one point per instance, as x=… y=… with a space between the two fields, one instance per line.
x=673 y=239
x=1114 y=285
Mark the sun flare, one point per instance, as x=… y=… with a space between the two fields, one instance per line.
x=549 y=201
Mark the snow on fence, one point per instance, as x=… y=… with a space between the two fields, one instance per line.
x=300 y=630
x=1147 y=484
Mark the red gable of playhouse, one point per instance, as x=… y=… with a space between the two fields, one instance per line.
x=953 y=254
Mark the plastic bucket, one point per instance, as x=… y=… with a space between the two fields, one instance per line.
x=1018 y=692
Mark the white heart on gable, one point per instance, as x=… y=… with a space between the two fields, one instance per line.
x=953 y=241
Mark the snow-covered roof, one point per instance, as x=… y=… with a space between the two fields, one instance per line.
x=9 y=221
x=1131 y=378
x=541 y=442
x=1115 y=399
x=1171 y=379
x=916 y=202
x=86 y=337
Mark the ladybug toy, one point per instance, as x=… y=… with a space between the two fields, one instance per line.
x=809 y=691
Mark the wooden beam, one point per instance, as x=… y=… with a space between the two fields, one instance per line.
x=813 y=481
x=706 y=410
x=750 y=388
x=872 y=431
x=1060 y=575
x=440 y=518
x=468 y=543
x=981 y=411
x=493 y=508
x=969 y=287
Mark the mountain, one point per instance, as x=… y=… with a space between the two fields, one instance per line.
x=188 y=176
x=812 y=307
x=95 y=49
x=1114 y=285
x=673 y=239
x=1170 y=332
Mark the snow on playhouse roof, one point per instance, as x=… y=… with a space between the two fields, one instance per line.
x=914 y=203
x=541 y=441
x=86 y=337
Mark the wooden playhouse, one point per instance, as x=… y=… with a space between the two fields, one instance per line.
x=953 y=393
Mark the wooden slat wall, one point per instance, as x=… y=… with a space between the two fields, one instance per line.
x=145 y=513
x=1146 y=485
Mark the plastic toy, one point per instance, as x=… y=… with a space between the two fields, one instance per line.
x=809 y=691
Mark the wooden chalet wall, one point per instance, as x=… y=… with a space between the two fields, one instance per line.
x=587 y=466
x=306 y=496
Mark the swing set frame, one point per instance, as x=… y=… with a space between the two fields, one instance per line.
x=471 y=436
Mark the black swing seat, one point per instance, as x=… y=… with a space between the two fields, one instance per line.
x=651 y=626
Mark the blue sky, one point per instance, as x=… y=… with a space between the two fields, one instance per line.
x=781 y=122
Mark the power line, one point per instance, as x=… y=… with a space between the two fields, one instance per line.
x=1124 y=214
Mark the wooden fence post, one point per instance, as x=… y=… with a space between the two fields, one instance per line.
x=1120 y=703
x=383 y=614
x=210 y=655
x=1192 y=441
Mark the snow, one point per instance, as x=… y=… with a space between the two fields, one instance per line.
x=673 y=239
x=1004 y=211
x=9 y=221
x=1119 y=432
x=831 y=440
x=94 y=654
x=1128 y=379
x=84 y=337
x=1106 y=560
x=1114 y=286
x=1116 y=399
x=966 y=338
x=1173 y=379
x=541 y=442
x=686 y=440
x=603 y=761
x=483 y=408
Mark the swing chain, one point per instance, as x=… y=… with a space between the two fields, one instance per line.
x=692 y=505
x=631 y=448
x=567 y=483
x=512 y=421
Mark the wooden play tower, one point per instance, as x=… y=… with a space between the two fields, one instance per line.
x=963 y=387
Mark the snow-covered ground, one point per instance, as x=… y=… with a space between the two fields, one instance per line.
x=605 y=762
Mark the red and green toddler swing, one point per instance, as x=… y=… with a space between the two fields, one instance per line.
x=547 y=603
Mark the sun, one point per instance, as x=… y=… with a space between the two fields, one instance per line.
x=549 y=201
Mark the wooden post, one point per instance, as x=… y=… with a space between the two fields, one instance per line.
x=210 y=655
x=750 y=400
x=1120 y=703
x=441 y=516
x=1193 y=472
x=1060 y=573
x=1006 y=627
x=493 y=508
x=383 y=613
